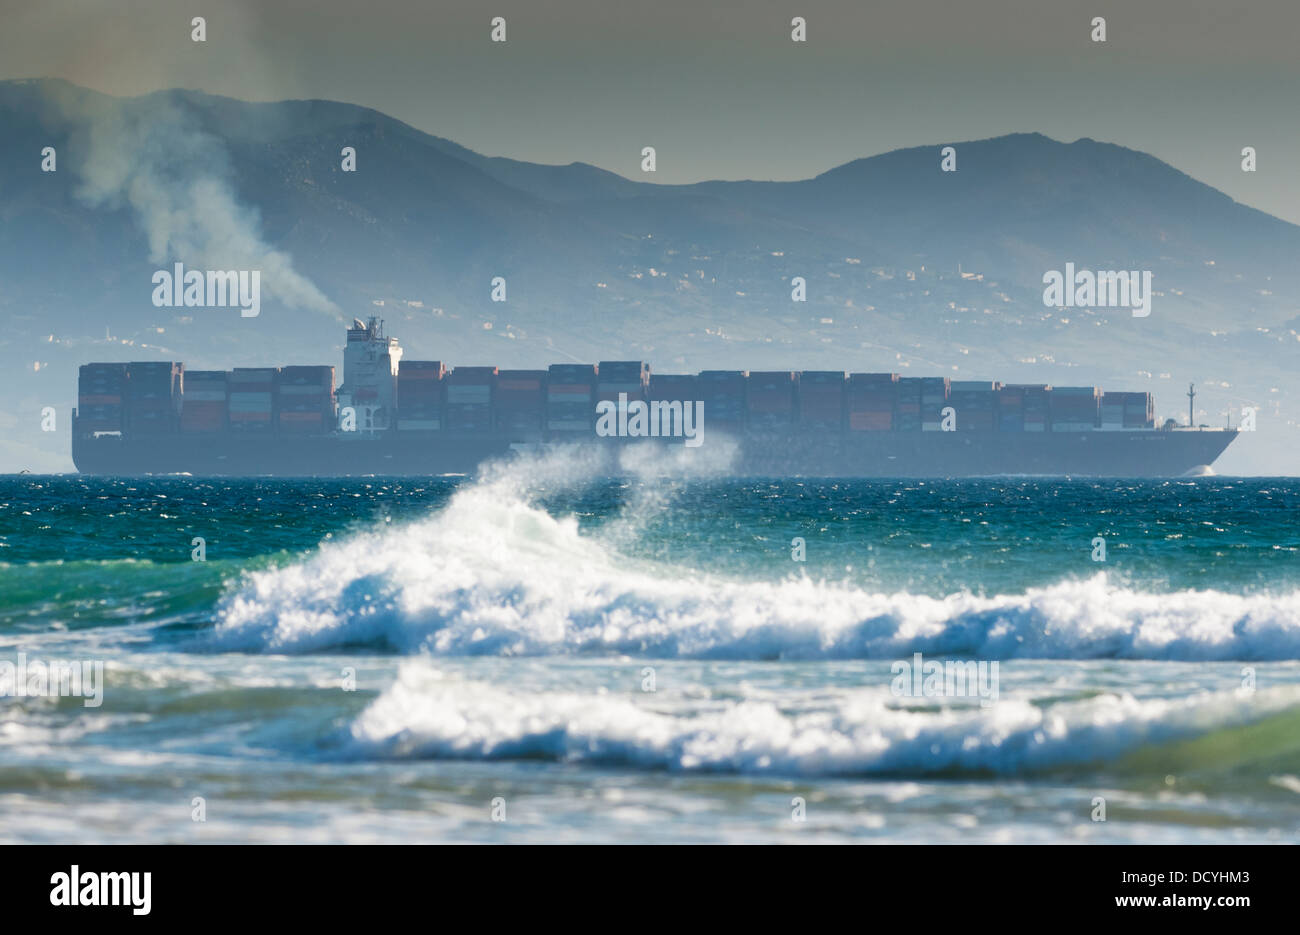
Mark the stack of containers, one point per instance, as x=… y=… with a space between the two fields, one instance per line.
x=305 y=400
x=683 y=388
x=975 y=402
x=771 y=399
x=570 y=400
x=204 y=402
x=934 y=397
x=1074 y=408
x=1127 y=411
x=153 y=397
x=621 y=376
x=1011 y=409
x=420 y=395
x=723 y=393
x=821 y=400
x=100 y=392
x=469 y=399
x=907 y=412
x=871 y=398
x=1140 y=412
x=521 y=403
x=1034 y=407
x=1112 y=411
x=252 y=399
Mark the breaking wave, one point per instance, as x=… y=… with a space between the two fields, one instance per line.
x=491 y=573
x=428 y=714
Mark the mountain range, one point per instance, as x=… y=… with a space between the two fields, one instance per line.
x=907 y=267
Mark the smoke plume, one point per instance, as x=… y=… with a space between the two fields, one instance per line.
x=152 y=155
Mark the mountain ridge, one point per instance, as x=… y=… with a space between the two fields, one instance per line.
x=906 y=266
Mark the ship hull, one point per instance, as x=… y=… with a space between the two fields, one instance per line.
x=868 y=454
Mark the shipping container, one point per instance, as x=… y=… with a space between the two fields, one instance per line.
x=422 y=369
x=468 y=399
x=252 y=379
x=305 y=403
x=870 y=401
x=252 y=374
x=97 y=379
x=934 y=399
x=907 y=408
x=723 y=393
x=1035 y=399
x=820 y=400
x=204 y=405
x=421 y=394
x=304 y=421
x=669 y=394
x=570 y=400
x=770 y=399
x=1073 y=408
x=1011 y=409
x=621 y=376
x=520 y=410
x=975 y=404
x=680 y=386
x=317 y=375
x=1127 y=410
x=152 y=400
x=101 y=392
x=251 y=403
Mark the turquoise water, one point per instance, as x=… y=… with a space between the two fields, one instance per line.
x=380 y=659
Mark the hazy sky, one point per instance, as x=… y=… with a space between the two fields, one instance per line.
x=716 y=85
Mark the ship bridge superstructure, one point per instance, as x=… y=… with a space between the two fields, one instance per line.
x=370 y=365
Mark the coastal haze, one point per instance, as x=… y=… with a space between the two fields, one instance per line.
x=523 y=160
x=540 y=649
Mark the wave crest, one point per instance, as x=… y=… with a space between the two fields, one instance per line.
x=492 y=574
x=427 y=714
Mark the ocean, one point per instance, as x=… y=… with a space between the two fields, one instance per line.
x=542 y=654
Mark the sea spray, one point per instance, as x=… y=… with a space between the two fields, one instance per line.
x=429 y=713
x=492 y=573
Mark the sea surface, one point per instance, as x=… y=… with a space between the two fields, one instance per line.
x=542 y=654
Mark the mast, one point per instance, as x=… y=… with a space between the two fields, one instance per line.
x=1191 y=402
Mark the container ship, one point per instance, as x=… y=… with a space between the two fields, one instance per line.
x=392 y=416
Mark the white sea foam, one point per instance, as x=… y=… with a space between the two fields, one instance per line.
x=429 y=714
x=490 y=573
